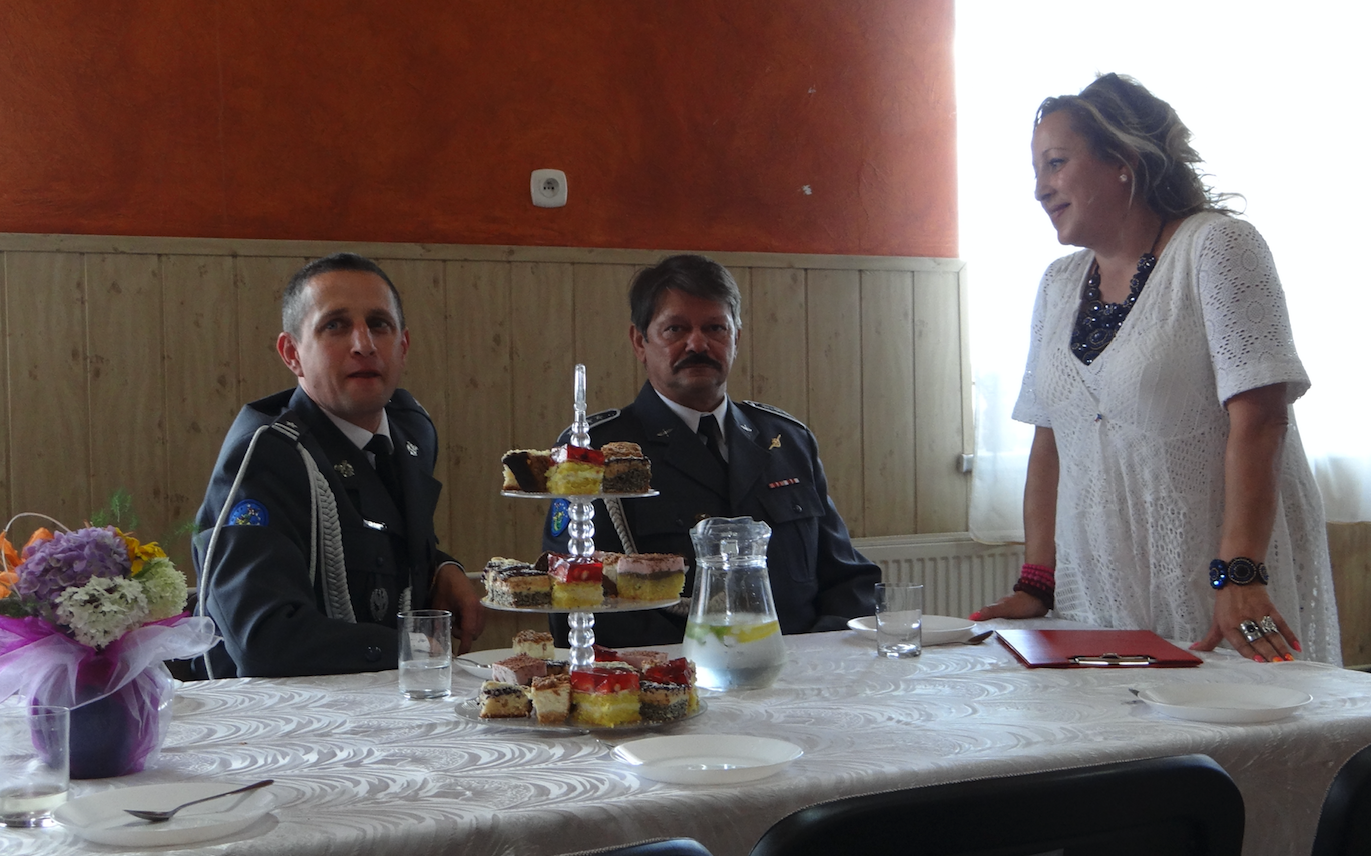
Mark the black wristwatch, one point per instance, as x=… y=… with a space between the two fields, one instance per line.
x=1240 y=571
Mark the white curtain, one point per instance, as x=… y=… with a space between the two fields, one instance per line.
x=1277 y=98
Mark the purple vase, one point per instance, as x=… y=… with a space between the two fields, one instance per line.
x=114 y=735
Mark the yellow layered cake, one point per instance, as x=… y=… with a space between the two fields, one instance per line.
x=649 y=576
x=576 y=583
x=576 y=471
x=604 y=696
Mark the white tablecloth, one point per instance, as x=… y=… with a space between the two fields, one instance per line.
x=359 y=770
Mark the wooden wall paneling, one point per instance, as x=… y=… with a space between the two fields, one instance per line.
x=49 y=403
x=1349 y=546
x=740 y=376
x=940 y=488
x=834 y=332
x=888 y=401
x=422 y=289
x=480 y=423
x=779 y=346
x=259 y=282
x=601 y=330
x=127 y=398
x=200 y=352
x=6 y=506
x=542 y=378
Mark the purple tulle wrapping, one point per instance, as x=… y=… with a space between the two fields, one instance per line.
x=120 y=697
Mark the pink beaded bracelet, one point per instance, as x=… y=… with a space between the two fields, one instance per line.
x=1039 y=581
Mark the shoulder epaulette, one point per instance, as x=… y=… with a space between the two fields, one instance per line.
x=775 y=411
x=595 y=419
x=290 y=425
x=405 y=400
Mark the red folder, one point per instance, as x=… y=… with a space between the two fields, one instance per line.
x=1075 y=649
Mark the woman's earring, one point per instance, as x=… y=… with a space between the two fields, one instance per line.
x=1123 y=176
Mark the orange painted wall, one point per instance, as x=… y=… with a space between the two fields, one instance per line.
x=680 y=124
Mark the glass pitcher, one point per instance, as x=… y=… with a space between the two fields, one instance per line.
x=733 y=635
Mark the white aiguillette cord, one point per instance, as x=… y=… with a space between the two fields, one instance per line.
x=326 y=536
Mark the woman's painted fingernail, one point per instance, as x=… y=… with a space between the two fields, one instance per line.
x=975 y=616
x=1289 y=658
x=1295 y=643
x=1259 y=658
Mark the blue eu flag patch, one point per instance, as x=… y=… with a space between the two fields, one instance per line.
x=558 y=517
x=249 y=512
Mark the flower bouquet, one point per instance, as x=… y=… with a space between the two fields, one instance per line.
x=86 y=619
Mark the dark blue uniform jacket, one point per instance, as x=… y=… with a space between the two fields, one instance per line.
x=271 y=616
x=818 y=579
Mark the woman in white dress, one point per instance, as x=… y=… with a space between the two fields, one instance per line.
x=1167 y=487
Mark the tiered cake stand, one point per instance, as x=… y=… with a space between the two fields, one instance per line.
x=582 y=544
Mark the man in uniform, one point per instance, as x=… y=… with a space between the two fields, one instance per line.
x=317 y=527
x=714 y=457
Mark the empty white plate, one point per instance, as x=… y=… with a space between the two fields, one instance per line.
x=706 y=759
x=101 y=817
x=937 y=630
x=1230 y=703
x=478 y=662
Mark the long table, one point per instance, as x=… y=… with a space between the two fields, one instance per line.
x=359 y=770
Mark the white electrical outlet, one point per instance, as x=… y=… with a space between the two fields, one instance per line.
x=548 y=187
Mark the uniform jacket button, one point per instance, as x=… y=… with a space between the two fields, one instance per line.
x=372 y=654
x=799 y=507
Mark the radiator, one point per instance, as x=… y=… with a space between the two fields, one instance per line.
x=959 y=575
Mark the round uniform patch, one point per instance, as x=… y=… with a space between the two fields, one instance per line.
x=249 y=512
x=558 y=517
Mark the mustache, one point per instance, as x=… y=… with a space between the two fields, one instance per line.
x=697 y=360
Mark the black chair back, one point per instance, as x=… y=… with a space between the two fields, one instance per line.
x=1180 y=806
x=1345 y=822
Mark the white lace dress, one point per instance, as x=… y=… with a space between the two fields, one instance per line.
x=1141 y=432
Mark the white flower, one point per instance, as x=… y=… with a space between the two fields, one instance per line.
x=102 y=610
x=164 y=587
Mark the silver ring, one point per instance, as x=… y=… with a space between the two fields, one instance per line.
x=1268 y=624
x=1250 y=631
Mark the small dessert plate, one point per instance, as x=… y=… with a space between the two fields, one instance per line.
x=478 y=662
x=937 y=629
x=706 y=759
x=1226 y=703
x=100 y=817
x=609 y=604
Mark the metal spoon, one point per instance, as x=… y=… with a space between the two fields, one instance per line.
x=164 y=816
x=979 y=638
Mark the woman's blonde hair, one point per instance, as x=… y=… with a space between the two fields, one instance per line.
x=1122 y=122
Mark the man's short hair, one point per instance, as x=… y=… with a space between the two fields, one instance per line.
x=689 y=274
x=293 y=300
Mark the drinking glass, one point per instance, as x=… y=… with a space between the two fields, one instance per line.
x=34 y=758
x=426 y=653
x=899 y=619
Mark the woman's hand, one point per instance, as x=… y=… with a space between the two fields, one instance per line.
x=1235 y=604
x=1020 y=604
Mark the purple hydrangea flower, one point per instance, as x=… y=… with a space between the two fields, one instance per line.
x=70 y=559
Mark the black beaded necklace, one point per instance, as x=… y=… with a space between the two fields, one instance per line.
x=1098 y=322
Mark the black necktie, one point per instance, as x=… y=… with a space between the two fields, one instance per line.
x=709 y=430
x=380 y=446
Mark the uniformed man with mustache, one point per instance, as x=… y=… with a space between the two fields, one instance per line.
x=715 y=457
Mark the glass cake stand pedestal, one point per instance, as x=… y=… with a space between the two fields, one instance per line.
x=581 y=528
x=581 y=511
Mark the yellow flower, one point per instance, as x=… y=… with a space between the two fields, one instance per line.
x=140 y=553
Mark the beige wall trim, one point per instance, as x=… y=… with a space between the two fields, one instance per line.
x=33 y=243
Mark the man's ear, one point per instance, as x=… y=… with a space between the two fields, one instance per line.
x=290 y=353
x=635 y=336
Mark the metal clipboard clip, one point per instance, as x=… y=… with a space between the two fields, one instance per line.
x=1114 y=660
